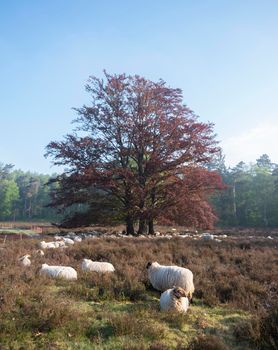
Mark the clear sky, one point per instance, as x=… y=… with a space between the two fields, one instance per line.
x=223 y=54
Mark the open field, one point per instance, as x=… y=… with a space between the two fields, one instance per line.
x=235 y=303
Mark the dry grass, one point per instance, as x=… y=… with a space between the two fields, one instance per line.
x=119 y=310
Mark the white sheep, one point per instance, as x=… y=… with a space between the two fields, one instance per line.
x=58 y=238
x=165 y=277
x=97 y=266
x=51 y=245
x=174 y=299
x=206 y=236
x=59 y=244
x=47 y=245
x=65 y=272
x=24 y=260
x=68 y=240
x=39 y=252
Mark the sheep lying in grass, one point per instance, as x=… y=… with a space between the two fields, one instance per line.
x=206 y=236
x=65 y=272
x=100 y=267
x=174 y=299
x=39 y=252
x=68 y=240
x=59 y=244
x=165 y=277
x=47 y=245
x=24 y=260
x=51 y=245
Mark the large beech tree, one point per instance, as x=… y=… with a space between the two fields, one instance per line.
x=134 y=148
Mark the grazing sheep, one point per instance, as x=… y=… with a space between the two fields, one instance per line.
x=24 y=260
x=101 y=267
x=65 y=272
x=165 y=277
x=174 y=299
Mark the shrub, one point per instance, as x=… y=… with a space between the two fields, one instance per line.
x=269 y=329
x=249 y=331
x=207 y=342
x=261 y=331
x=136 y=326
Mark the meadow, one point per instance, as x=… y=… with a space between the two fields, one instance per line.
x=235 y=303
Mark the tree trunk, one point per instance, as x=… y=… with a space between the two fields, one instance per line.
x=150 y=222
x=129 y=226
x=265 y=216
x=234 y=203
x=151 y=227
x=142 y=226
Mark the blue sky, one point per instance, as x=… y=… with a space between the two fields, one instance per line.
x=222 y=54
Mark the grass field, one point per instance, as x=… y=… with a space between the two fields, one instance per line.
x=235 y=303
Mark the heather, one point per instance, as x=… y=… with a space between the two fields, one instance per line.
x=234 y=307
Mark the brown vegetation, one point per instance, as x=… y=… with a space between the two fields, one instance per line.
x=224 y=273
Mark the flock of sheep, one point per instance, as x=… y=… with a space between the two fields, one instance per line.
x=175 y=283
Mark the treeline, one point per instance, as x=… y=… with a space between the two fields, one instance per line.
x=24 y=195
x=251 y=196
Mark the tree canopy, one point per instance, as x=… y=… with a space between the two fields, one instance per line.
x=134 y=149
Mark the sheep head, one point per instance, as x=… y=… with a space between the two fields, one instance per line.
x=179 y=292
x=152 y=264
x=24 y=256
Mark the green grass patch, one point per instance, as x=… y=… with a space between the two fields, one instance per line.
x=8 y=231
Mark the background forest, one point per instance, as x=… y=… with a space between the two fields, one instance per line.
x=249 y=200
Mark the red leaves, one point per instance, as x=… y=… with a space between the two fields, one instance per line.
x=189 y=198
x=139 y=144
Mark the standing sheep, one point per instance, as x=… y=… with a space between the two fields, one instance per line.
x=65 y=272
x=101 y=267
x=174 y=299
x=165 y=277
